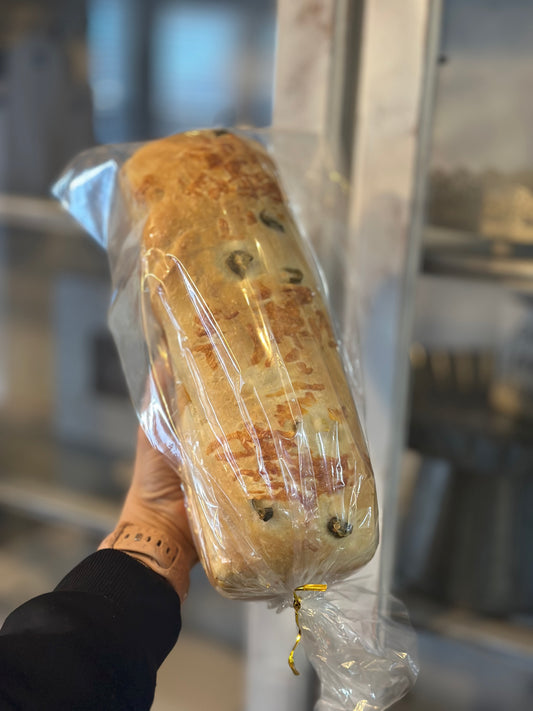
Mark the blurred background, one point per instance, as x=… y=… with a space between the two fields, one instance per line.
x=76 y=73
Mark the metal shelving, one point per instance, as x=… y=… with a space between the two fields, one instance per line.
x=42 y=243
x=510 y=637
x=54 y=504
x=32 y=213
x=467 y=255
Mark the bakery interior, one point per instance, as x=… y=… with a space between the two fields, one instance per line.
x=78 y=73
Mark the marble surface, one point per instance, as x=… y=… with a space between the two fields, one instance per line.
x=377 y=273
x=303 y=56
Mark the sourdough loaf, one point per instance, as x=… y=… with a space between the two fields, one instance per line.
x=279 y=483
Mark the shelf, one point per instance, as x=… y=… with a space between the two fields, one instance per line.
x=496 y=635
x=50 y=479
x=41 y=242
x=54 y=505
x=446 y=252
x=468 y=255
x=40 y=214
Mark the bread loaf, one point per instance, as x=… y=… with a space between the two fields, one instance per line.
x=278 y=479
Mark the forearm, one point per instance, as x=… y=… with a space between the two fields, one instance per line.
x=96 y=642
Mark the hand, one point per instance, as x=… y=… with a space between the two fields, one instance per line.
x=155 y=496
x=155 y=501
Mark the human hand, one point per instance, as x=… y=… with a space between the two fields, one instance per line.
x=153 y=523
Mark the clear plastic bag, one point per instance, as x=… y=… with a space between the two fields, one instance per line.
x=239 y=378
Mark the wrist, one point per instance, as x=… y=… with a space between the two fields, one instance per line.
x=170 y=556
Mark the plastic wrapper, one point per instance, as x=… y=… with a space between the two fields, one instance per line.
x=238 y=376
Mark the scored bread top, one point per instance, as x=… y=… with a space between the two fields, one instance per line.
x=260 y=400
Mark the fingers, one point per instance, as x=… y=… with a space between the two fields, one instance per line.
x=155 y=482
x=155 y=495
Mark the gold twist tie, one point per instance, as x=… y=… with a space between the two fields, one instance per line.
x=297 y=604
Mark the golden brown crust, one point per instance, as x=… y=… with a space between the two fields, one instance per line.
x=261 y=397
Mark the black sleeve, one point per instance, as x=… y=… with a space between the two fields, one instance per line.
x=95 y=643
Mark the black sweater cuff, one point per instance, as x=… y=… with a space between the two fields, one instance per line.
x=143 y=598
x=95 y=643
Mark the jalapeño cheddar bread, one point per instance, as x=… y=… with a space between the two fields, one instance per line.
x=279 y=483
